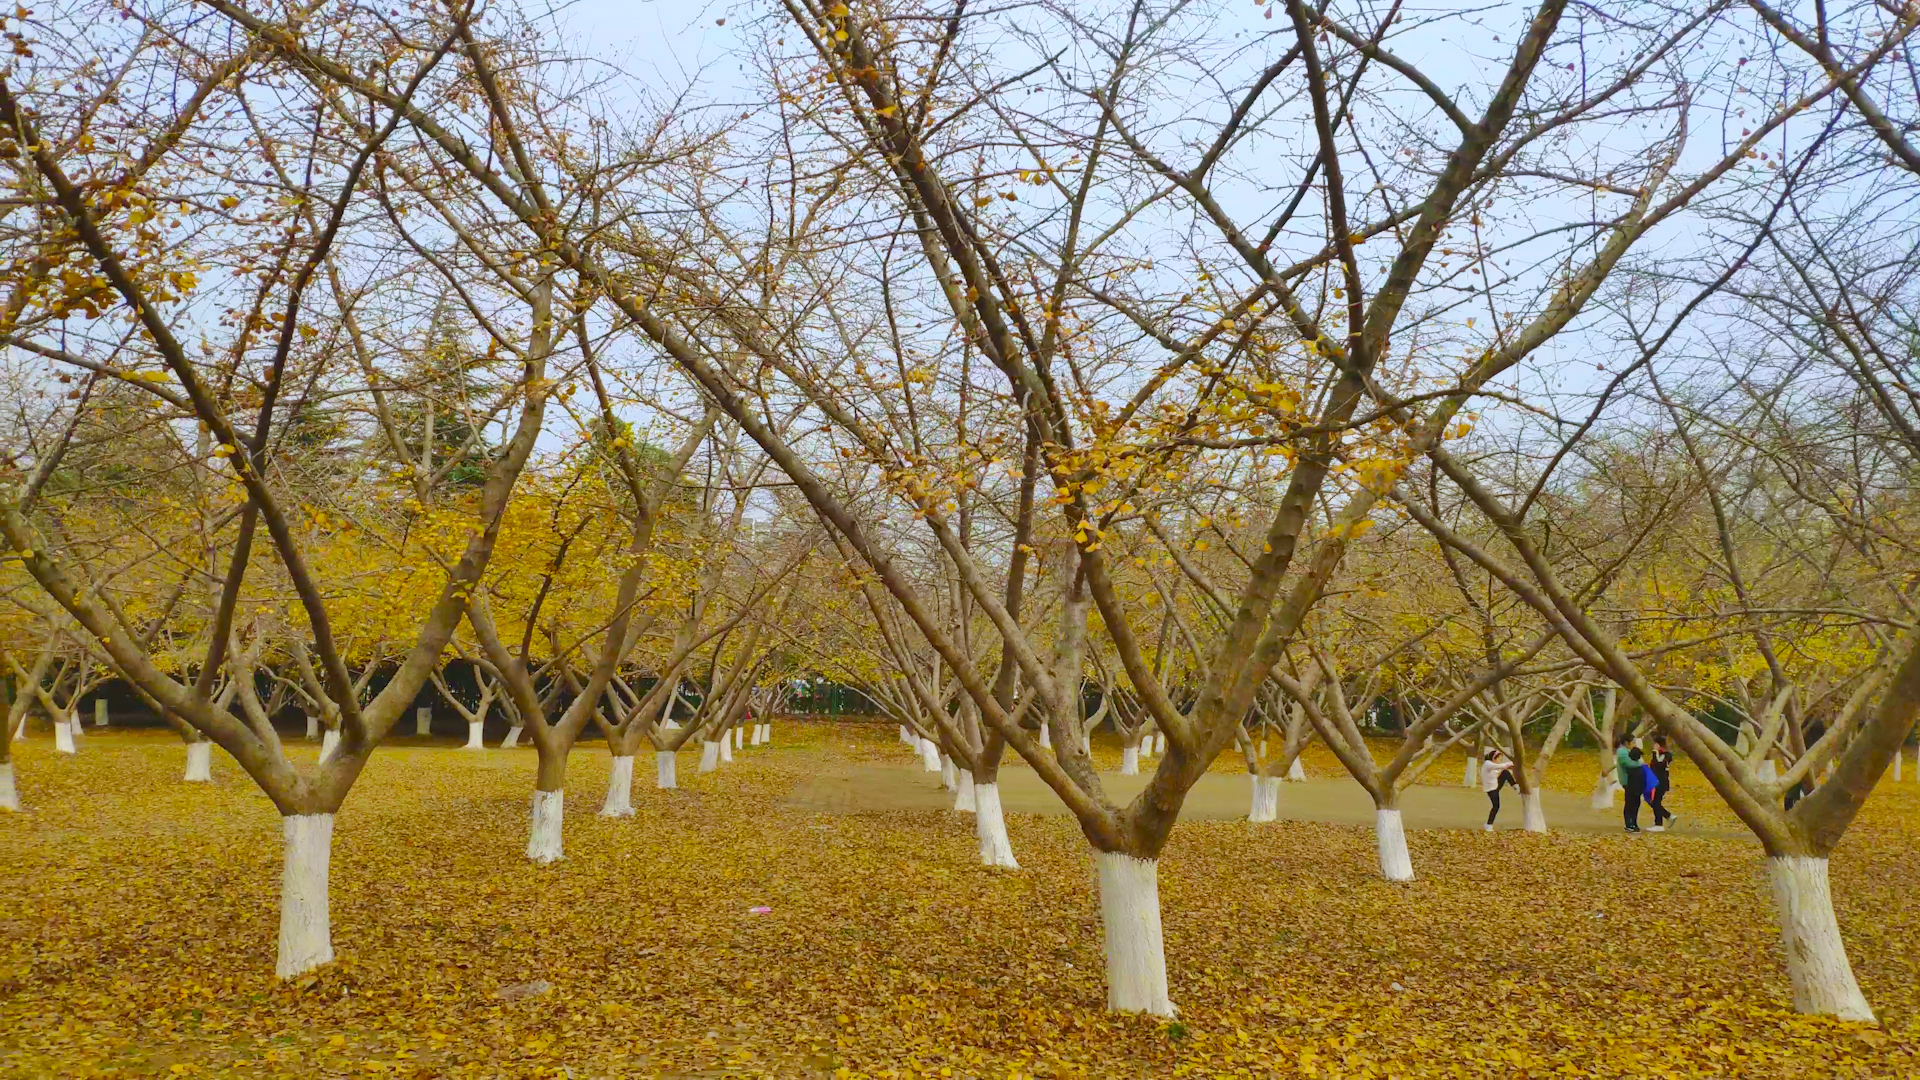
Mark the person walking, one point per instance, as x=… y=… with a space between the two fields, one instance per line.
x=1626 y=760
x=1660 y=762
x=1495 y=773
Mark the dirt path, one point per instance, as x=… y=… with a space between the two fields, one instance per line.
x=852 y=788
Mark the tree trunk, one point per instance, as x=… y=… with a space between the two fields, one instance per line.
x=9 y=794
x=1390 y=836
x=906 y=739
x=963 y=801
x=1294 y=772
x=990 y=828
x=947 y=778
x=423 y=722
x=313 y=727
x=473 y=735
x=306 y=938
x=1602 y=798
x=1823 y=983
x=709 y=756
x=1266 y=798
x=1533 y=816
x=1130 y=761
x=99 y=712
x=63 y=735
x=739 y=738
x=549 y=801
x=929 y=755
x=1130 y=916
x=726 y=747
x=666 y=769
x=329 y=744
x=619 y=801
x=200 y=763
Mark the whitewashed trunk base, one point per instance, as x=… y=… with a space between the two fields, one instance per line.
x=766 y=733
x=513 y=737
x=1260 y=753
x=1046 y=737
x=1602 y=797
x=1130 y=916
x=9 y=794
x=709 y=756
x=1266 y=799
x=1469 y=773
x=990 y=828
x=1130 y=761
x=1160 y=744
x=474 y=728
x=1295 y=771
x=739 y=738
x=1533 y=816
x=963 y=797
x=947 y=778
x=1390 y=834
x=666 y=769
x=313 y=728
x=329 y=744
x=906 y=739
x=726 y=748
x=1823 y=983
x=543 y=833
x=63 y=737
x=929 y=755
x=306 y=938
x=619 y=801
x=199 y=763
x=422 y=723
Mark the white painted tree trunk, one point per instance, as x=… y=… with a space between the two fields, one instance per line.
x=905 y=738
x=929 y=755
x=423 y=722
x=1046 y=737
x=1260 y=752
x=79 y=726
x=766 y=733
x=947 y=778
x=963 y=797
x=63 y=736
x=726 y=748
x=1086 y=743
x=619 y=801
x=1146 y=746
x=1390 y=835
x=1602 y=798
x=1768 y=771
x=199 y=763
x=329 y=743
x=306 y=937
x=1130 y=761
x=1160 y=744
x=9 y=794
x=1266 y=798
x=754 y=740
x=313 y=728
x=1130 y=916
x=1295 y=771
x=513 y=737
x=666 y=769
x=709 y=756
x=543 y=836
x=1898 y=759
x=99 y=712
x=474 y=728
x=1817 y=964
x=1533 y=816
x=1469 y=775
x=990 y=828
x=739 y=738
x=20 y=730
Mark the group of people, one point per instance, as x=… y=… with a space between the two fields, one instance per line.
x=1644 y=777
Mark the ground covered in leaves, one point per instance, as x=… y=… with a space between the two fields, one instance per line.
x=138 y=926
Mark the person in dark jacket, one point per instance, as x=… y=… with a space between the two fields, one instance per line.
x=1660 y=762
x=1635 y=781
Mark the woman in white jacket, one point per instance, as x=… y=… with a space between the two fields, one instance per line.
x=1495 y=772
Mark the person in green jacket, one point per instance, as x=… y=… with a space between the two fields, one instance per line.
x=1631 y=777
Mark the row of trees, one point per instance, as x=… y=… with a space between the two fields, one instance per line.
x=346 y=338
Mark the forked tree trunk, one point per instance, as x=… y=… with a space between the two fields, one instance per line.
x=199 y=762
x=666 y=769
x=963 y=800
x=306 y=936
x=619 y=801
x=990 y=828
x=1130 y=917
x=9 y=794
x=1390 y=837
x=1817 y=965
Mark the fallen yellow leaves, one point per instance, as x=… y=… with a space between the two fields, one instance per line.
x=138 y=936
